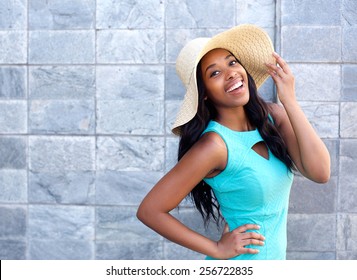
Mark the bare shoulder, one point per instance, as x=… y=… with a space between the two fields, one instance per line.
x=213 y=140
x=212 y=148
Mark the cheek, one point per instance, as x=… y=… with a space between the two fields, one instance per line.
x=213 y=87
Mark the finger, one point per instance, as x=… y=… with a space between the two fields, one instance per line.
x=273 y=67
x=282 y=63
x=249 y=251
x=252 y=241
x=246 y=227
x=273 y=74
x=252 y=235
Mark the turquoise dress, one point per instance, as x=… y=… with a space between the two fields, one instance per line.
x=253 y=190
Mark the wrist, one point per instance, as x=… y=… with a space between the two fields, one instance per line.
x=290 y=104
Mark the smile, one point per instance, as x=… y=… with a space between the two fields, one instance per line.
x=235 y=86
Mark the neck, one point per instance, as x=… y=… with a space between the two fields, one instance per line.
x=235 y=120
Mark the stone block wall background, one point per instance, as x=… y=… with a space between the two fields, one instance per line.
x=88 y=93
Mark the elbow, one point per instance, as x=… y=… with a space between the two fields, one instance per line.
x=141 y=213
x=323 y=176
x=320 y=172
x=145 y=213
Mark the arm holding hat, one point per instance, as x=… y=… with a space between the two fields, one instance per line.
x=306 y=149
x=207 y=155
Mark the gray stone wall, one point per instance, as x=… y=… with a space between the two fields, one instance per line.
x=88 y=92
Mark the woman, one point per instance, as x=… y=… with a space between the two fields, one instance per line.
x=236 y=152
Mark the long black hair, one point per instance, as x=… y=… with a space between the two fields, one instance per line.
x=258 y=115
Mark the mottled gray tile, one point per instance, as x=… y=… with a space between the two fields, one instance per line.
x=261 y=13
x=12 y=249
x=311 y=232
x=191 y=14
x=317 y=82
x=174 y=89
x=129 y=250
x=49 y=222
x=308 y=197
x=346 y=255
x=130 y=153
x=174 y=251
x=348 y=157
x=60 y=249
x=13 y=14
x=13 y=152
x=333 y=147
x=61 y=153
x=13 y=222
x=121 y=224
x=62 y=187
x=347 y=199
x=349 y=83
x=144 y=82
x=346 y=232
x=324 y=117
x=13 y=117
x=266 y=91
x=13 y=46
x=127 y=14
x=311 y=255
x=61 y=46
x=307 y=12
x=349 y=41
x=349 y=14
x=296 y=49
x=13 y=82
x=57 y=14
x=348 y=124
x=62 y=117
x=13 y=186
x=172 y=109
x=130 y=117
x=171 y=152
x=124 y=188
x=145 y=45
x=62 y=82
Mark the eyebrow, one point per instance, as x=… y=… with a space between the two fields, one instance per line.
x=214 y=64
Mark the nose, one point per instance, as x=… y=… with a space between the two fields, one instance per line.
x=231 y=73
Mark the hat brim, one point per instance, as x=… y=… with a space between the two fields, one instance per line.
x=250 y=44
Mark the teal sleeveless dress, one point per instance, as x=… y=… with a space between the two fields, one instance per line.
x=253 y=190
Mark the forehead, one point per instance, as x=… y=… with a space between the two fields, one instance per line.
x=214 y=56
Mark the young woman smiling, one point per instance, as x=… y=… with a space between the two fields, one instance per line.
x=237 y=153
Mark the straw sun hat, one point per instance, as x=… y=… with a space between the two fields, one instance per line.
x=250 y=44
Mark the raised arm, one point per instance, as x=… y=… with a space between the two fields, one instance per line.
x=205 y=156
x=305 y=147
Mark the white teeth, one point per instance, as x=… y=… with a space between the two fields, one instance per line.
x=235 y=86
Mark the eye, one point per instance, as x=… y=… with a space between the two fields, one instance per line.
x=233 y=62
x=214 y=73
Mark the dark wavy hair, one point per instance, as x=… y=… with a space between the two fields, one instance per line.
x=258 y=114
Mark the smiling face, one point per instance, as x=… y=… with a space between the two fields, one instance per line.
x=225 y=80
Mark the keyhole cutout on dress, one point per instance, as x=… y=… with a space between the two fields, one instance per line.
x=261 y=149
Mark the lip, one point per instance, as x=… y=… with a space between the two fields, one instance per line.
x=237 y=82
